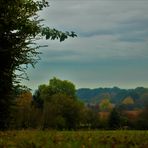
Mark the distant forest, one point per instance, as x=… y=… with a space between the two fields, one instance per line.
x=106 y=98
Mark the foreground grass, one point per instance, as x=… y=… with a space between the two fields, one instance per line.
x=74 y=139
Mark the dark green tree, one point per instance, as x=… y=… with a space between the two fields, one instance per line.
x=114 y=121
x=142 y=121
x=62 y=86
x=61 y=112
x=20 y=27
x=55 y=86
x=89 y=118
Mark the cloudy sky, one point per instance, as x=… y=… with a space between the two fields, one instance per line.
x=111 y=48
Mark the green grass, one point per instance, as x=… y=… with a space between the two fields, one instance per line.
x=73 y=139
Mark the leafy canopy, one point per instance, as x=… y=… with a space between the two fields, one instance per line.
x=19 y=30
x=56 y=86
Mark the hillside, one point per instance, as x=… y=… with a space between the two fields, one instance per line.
x=125 y=98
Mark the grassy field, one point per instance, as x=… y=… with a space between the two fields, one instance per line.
x=73 y=139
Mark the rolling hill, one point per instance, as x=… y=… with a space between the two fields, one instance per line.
x=124 y=98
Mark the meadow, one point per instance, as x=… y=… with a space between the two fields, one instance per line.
x=74 y=139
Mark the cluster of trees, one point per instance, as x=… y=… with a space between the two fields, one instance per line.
x=106 y=98
x=117 y=118
x=53 y=106
x=129 y=107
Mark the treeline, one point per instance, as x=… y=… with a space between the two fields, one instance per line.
x=123 y=119
x=105 y=98
x=56 y=106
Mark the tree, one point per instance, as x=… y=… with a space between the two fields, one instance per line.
x=128 y=103
x=61 y=112
x=66 y=87
x=142 y=121
x=59 y=104
x=105 y=104
x=55 y=86
x=114 y=119
x=128 y=100
x=89 y=118
x=20 y=27
x=22 y=114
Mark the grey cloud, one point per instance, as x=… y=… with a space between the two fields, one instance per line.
x=112 y=40
x=96 y=33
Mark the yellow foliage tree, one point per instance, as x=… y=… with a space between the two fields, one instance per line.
x=23 y=112
x=105 y=104
x=128 y=100
x=24 y=99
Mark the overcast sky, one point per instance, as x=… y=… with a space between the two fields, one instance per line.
x=111 y=48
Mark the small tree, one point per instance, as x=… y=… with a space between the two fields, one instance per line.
x=114 y=121
x=142 y=121
x=23 y=113
x=90 y=119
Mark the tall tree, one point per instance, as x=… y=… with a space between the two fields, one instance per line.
x=20 y=27
x=114 y=119
x=142 y=121
x=59 y=105
x=22 y=114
